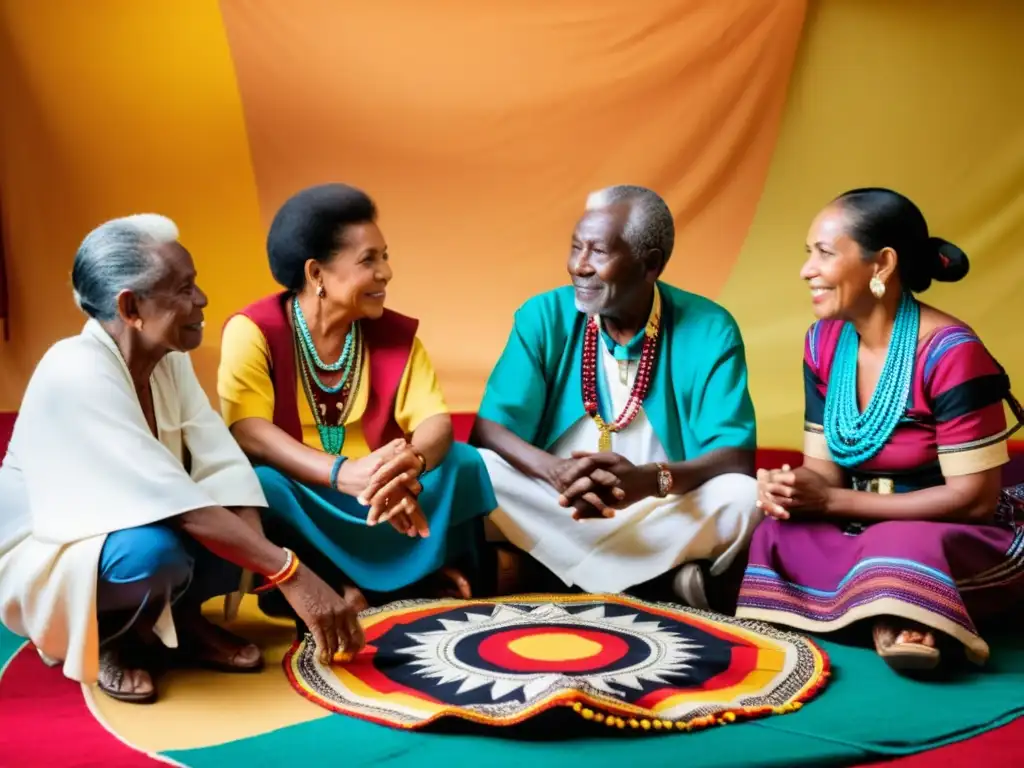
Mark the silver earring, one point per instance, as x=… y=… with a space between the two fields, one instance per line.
x=320 y=291
x=877 y=287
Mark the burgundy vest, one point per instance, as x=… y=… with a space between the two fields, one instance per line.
x=388 y=342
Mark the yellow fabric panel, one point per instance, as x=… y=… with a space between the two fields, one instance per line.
x=246 y=390
x=112 y=107
x=912 y=95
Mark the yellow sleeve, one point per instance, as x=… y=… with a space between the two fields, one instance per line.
x=243 y=377
x=419 y=394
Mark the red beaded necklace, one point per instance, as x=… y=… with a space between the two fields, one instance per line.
x=640 y=385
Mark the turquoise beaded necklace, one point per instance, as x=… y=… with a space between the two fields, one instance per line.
x=332 y=436
x=854 y=437
x=309 y=348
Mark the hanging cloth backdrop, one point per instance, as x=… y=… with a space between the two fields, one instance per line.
x=5 y=309
x=618 y=661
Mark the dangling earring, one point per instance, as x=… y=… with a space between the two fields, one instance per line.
x=320 y=292
x=877 y=287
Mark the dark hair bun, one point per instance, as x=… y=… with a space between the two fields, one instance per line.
x=950 y=263
x=880 y=218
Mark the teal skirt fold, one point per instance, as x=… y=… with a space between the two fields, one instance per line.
x=456 y=496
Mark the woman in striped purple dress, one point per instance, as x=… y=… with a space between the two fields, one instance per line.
x=897 y=516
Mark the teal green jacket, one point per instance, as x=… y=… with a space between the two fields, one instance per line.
x=698 y=399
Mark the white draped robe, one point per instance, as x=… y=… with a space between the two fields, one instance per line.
x=83 y=463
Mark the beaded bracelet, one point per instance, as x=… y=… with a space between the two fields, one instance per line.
x=335 y=469
x=291 y=565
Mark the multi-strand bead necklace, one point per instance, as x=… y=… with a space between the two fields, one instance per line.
x=853 y=436
x=640 y=385
x=350 y=363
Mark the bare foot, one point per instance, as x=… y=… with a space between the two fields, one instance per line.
x=208 y=645
x=906 y=647
x=916 y=637
x=444 y=582
x=124 y=684
x=510 y=571
x=449 y=582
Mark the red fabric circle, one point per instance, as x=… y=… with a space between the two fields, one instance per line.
x=495 y=650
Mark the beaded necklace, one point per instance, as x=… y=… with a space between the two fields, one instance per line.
x=332 y=436
x=640 y=385
x=344 y=361
x=854 y=437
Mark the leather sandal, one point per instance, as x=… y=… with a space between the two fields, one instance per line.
x=112 y=675
x=903 y=657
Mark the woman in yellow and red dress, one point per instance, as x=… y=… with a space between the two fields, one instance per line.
x=334 y=399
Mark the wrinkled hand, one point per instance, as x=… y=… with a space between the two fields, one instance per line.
x=401 y=469
x=622 y=482
x=401 y=508
x=393 y=490
x=386 y=502
x=356 y=474
x=404 y=460
x=355 y=598
x=784 y=492
x=582 y=485
x=332 y=620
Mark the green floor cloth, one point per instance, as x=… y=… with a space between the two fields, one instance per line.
x=9 y=643
x=866 y=713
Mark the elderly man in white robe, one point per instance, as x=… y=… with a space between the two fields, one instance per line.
x=124 y=501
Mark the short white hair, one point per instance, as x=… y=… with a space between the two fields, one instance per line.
x=650 y=225
x=117 y=256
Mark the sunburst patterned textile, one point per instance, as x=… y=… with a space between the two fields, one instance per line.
x=618 y=661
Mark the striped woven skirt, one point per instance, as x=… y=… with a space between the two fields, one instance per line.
x=821 y=577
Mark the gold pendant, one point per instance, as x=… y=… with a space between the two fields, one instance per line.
x=604 y=441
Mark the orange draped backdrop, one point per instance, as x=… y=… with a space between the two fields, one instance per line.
x=5 y=319
x=480 y=128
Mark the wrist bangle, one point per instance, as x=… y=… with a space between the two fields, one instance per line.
x=665 y=480
x=287 y=571
x=423 y=460
x=335 y=469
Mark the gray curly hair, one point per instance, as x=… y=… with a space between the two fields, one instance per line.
x=650 y=225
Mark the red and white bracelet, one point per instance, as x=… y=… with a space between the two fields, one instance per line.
x=291 y=565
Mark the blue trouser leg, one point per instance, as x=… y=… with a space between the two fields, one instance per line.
x=144 y=565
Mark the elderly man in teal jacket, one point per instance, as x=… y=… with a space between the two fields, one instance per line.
x=617 y=426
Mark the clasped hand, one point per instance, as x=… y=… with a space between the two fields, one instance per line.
x=597 y=484
x=784 y=492
x=389 y=478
